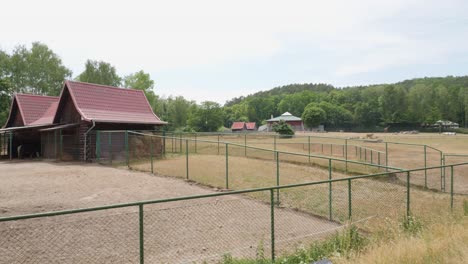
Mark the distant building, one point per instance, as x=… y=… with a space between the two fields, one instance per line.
x=244 y=127
x=446 y=124
x=251 y=126
x=294 y=121
x=238 y=127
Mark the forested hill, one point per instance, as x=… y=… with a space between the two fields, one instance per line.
x=283 y=90
x=422 y=100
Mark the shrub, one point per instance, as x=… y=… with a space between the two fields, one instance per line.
x=283 y=128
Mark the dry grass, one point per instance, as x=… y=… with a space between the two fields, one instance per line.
x=372 y=199
x=440 y=242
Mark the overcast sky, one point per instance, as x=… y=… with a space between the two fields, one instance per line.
x=216 y=50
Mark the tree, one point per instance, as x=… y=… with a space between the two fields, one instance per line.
x=283 y=128
x=5 y=99
x=139 y=80
x=295 y=103
x=336 y=115
x=37 y=71
x=100 y=72
x=313 y=115
x=208 y=117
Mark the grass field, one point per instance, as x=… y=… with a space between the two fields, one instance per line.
x=207 y=228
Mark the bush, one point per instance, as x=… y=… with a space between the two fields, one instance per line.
x=411 y=225
x=283 y=128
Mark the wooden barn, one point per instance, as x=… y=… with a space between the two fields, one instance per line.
x=65 y=127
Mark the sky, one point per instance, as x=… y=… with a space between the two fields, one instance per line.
x=216 y=50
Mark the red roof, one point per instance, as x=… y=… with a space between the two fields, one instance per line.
x=237 y=125
x=250 y=125
x=102 y=103
x=33 y=108
x=48 y=116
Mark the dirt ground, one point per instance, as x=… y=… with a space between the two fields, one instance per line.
x=178 y=232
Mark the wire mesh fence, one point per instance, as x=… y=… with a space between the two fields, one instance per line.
x=196 y=229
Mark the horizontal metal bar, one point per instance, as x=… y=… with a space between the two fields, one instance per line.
x=269 y=150
x=115 y=206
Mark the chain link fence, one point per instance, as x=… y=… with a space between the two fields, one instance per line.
x=253 y=223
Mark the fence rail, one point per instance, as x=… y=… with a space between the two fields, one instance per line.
x=342 y=199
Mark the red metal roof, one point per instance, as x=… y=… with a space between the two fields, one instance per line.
x=48 y=116
x=237 y=125
x=250 y=125
x=102 y=103
x=33 y=107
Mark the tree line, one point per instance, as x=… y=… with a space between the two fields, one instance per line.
x=417 y=102
x=38 y=70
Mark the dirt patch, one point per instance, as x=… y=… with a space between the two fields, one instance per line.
x=182 y=232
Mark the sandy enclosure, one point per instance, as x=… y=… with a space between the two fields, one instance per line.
x=177 y=232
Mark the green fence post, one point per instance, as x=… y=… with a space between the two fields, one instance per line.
x=330 y=189
x=151 y=155
x=442 y=169
x=164 y=142
x=378 y=158
x=218 y=144
x=111 y=149
x=141 y=233
x=365 y=154
x=408 y=194
x=371 y=157
x=277 y=177
x=186 y=159
x=127 y=156
x=322 y=148
x=10 y=144
x=349 y=200
x=355 y=148
x=425 y=166
x=195 y=142
x=227 y=167
x=451 y=187
x=309 y=147
x=55 y=144
x=245 y=144
x=180 y=143
x=386 y=156
x=346 y=155
x=274 y=145
x=272 y=221
x=360 y=153
x=98 y=146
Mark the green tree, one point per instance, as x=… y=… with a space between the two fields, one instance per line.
x=393 y=103
x=37 y=71
x=208 y=117
x=6 y=92
x=295 y=103
x=179 y=111
x=141 y=81
x=313 y=115
x=100 y=72
x=283 y=128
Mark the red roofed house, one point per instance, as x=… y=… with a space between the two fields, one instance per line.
x=243 y=126
x=69 y=122
x=238 y=126
x=251 y=126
